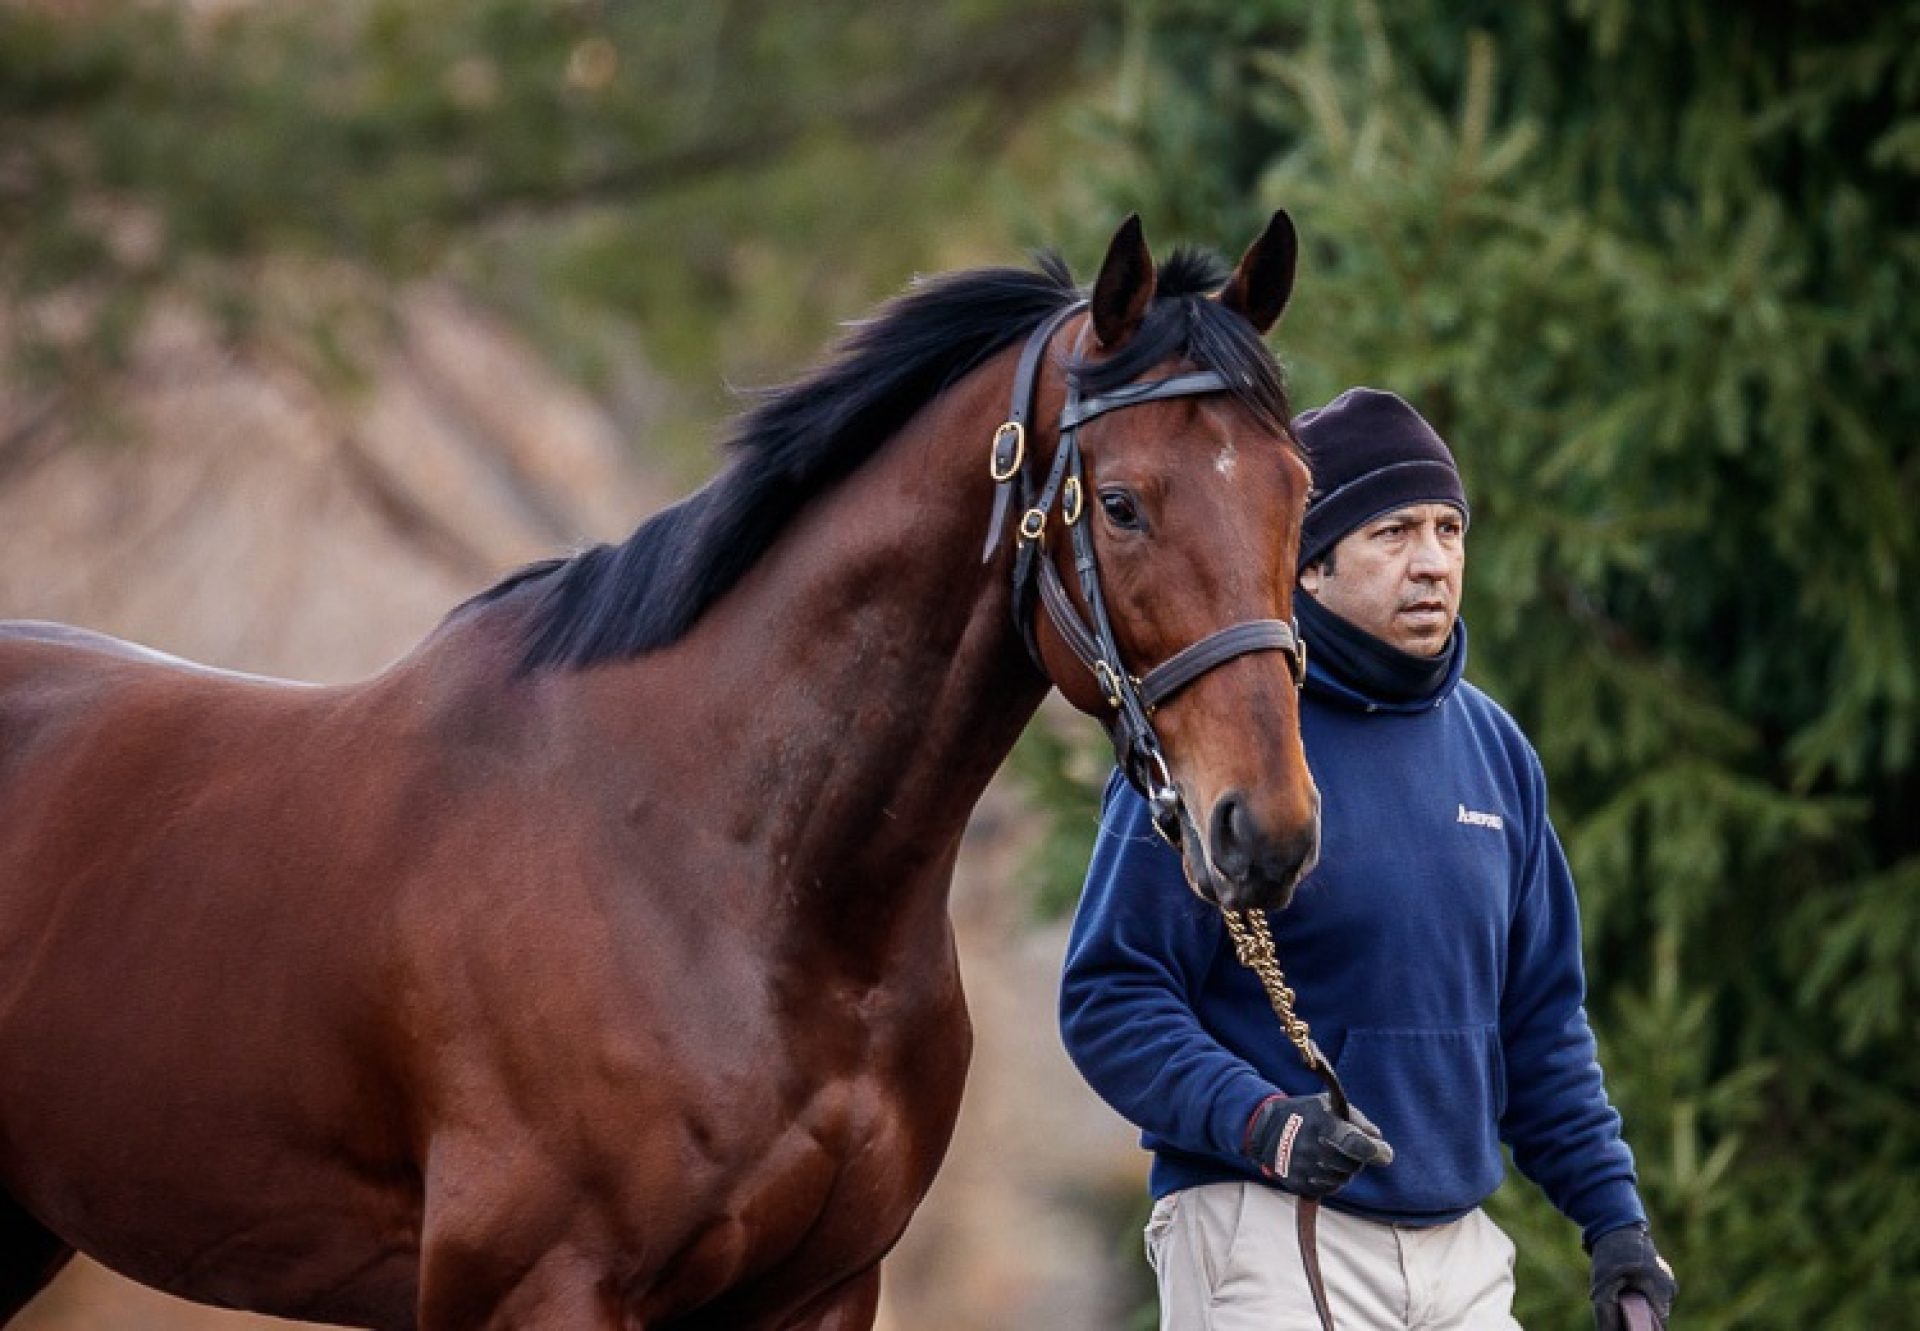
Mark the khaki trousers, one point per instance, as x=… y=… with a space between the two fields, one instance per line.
x=1227 y=1256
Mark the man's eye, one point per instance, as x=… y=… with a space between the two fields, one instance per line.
x=1120 y=508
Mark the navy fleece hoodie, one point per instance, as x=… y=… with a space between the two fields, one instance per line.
x=1435 y=952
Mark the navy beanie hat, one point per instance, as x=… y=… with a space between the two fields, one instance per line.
x=1371 y=453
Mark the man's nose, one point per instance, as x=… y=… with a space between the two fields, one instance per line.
x=1429 y=562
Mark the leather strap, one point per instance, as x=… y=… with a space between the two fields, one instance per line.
x=1187 y=665
x=1066 y=616
x=1010 y=441
x=1309 y=1213
x=1184 y=666
x=1032 y=547
x=1309 y=1208
x=1192 y=384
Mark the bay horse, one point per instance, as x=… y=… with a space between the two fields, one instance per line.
x=590 y=967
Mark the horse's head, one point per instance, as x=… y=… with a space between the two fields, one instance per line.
x=1188 y=508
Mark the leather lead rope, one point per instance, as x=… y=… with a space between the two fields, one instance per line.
x=1253 y=945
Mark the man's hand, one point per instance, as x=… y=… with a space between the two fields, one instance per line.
x=1623 y=1260
x=1300 y=1144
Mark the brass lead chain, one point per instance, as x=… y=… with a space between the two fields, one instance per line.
x=1253 y=945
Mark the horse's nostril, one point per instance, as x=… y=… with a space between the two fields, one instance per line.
x=1233 y=836
x=1254 y=866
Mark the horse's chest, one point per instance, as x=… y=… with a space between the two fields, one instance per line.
x=834 y=1175
x=869 y=1139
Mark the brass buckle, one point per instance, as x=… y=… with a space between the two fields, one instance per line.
x=1109 y=679
x=1004 y=467
x=1070 y=501
x=1032 y=524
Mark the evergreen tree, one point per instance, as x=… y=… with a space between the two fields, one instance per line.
x=1651 y=269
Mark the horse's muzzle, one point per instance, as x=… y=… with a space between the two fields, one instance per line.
x=1253 y=867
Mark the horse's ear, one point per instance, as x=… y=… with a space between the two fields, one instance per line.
x=1261 y=285
x=1124 y=288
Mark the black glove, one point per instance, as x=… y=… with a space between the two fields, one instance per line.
x=1625 y=1259
x=1300 y=1144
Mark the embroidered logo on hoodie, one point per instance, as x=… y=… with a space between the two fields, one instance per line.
x=1474 y=818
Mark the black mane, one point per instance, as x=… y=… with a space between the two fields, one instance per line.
x=616 y=601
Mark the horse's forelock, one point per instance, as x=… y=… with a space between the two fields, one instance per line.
x=1191 y=272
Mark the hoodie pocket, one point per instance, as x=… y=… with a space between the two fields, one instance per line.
x=1437 y=1096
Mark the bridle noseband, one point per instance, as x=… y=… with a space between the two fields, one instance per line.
x=1133 y=698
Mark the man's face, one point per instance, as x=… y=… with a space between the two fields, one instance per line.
x=1398 y=576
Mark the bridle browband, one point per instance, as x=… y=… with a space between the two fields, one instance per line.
x=1133 y=698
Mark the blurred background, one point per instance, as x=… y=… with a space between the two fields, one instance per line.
x=314 y=319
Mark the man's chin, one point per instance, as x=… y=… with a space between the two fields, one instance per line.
x=1421 y=641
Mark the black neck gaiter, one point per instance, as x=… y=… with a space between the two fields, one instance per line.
x=1366 y=664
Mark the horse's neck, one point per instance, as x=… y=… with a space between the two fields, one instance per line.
x=873 y=677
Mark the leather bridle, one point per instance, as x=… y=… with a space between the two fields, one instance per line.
x=1133 y=698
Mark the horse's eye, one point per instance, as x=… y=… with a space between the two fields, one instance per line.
x=1121 y=510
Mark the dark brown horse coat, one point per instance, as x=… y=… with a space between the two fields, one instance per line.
x=597 y=984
